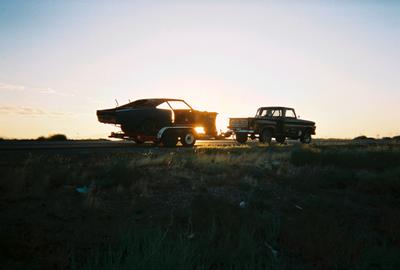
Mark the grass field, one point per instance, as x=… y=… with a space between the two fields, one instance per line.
x=323 y=206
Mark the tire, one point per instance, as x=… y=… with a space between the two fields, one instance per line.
x=241 y=137
x=266 y=136
x=188 y=139
x=280 y=139
x=306 y=137
x=169 y=139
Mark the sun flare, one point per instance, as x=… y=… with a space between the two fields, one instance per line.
x=200 y=130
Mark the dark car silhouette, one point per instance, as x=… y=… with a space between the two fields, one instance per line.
x=161 y=120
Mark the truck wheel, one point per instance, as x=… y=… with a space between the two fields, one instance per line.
x=306 y=137
x=266 y=136
x=241 y=137
x=188 y=139
x=169 y=139
x=280 y=139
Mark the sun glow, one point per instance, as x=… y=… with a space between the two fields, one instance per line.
x=200 y=130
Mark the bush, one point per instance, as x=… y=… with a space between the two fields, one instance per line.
x=55 y=137
x=363 y=138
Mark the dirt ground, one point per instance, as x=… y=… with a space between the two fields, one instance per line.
x=317 y=207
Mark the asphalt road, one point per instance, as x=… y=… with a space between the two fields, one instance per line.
x=94 y=144
x=105 y=145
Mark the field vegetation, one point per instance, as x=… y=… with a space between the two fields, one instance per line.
x=323 y=206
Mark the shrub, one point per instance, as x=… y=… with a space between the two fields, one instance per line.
x=55 y=137
x=363 y=137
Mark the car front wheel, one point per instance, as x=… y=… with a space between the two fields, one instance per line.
x=188 y=139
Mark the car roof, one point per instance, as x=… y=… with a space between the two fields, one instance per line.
x=277 y=108
x=150 y=102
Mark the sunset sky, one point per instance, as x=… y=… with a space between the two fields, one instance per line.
x=335 y=62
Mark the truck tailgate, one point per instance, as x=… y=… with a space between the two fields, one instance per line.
x=238 y=123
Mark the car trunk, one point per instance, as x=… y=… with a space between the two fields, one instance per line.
x=107 y=116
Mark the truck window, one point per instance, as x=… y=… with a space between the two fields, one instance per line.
x=270 y=113
x=262 y=113
x=290 y=114
x=276 y=113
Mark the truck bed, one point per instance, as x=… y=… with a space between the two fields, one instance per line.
x=239 y=123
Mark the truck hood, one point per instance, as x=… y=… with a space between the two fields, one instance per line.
x=306 y=122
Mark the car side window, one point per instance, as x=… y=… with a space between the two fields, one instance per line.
x=164 y=106
x=178 y=105
x=290 y=114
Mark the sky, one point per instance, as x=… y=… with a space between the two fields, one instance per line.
x=336 y=62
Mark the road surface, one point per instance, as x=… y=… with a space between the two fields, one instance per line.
x=103 y=145
x=93 y=144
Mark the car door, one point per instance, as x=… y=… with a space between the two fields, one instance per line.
x=182 y=112
x=291 y=127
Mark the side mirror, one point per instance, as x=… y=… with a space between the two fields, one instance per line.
x=298 y=117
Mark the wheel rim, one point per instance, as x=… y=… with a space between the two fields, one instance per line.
x=189 y=138
x=307 y=138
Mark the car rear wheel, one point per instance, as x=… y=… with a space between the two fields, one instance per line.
x=188 y=139
x=241 y=137
x=280 y=139
x=266 y=136
x=306 y=137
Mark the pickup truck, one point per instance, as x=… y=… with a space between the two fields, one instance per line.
x=272 y=122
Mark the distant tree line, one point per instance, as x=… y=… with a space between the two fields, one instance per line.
x=363 y=137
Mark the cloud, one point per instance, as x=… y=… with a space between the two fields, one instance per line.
x=11 y=87
x=40 y=90
x=29 y=111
